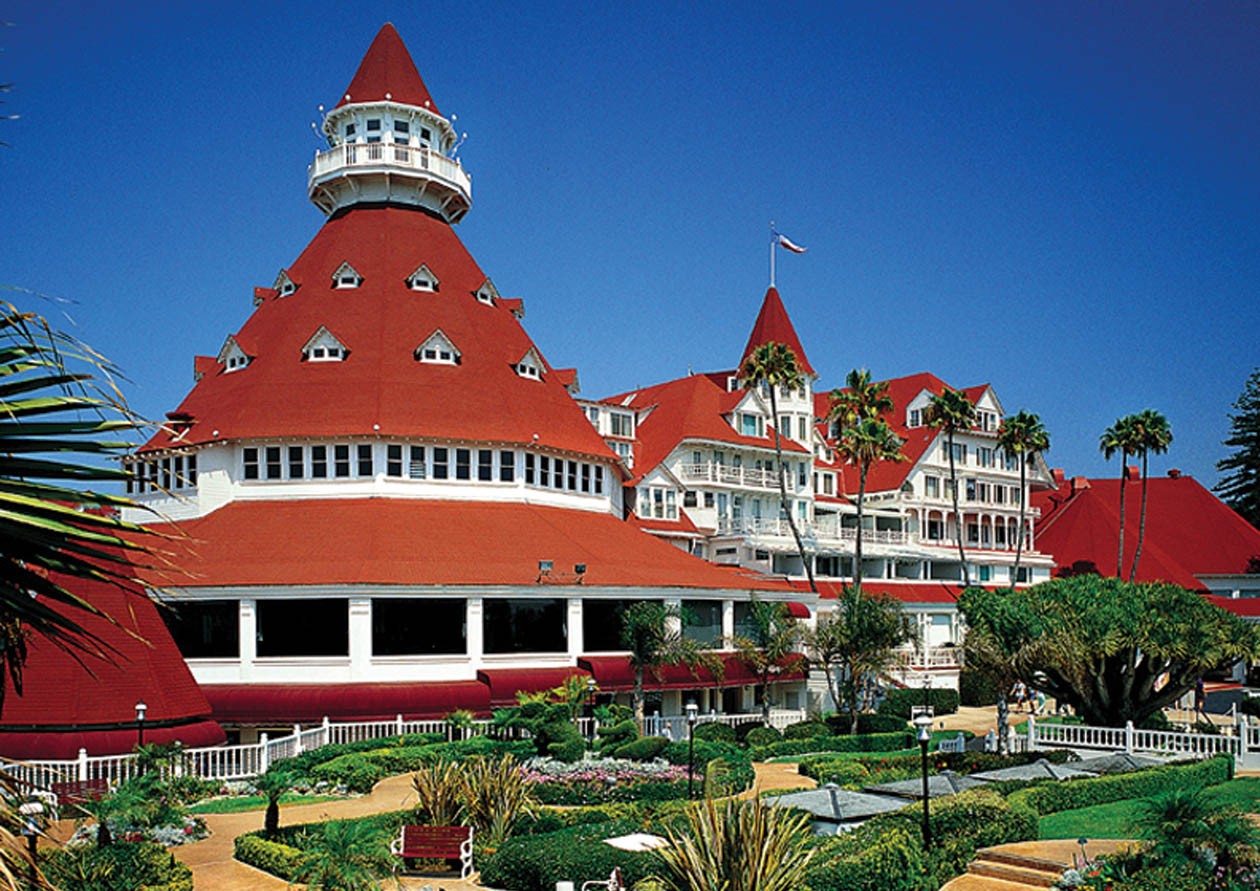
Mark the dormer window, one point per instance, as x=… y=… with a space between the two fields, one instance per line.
x=346 y=277
x=487 y=293
x=285 y=285
x=324 y=347
x=916 y=418
x=232 y=357
x=530 y=366
x=438 y=349
x=422 y=279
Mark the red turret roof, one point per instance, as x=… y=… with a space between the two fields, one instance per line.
x=380 y=389
x=774 y=326
x=387 y=73
x=90 y=701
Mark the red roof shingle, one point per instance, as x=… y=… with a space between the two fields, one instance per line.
x=387 y=73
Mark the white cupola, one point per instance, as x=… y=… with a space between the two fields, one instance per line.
x=388 y=144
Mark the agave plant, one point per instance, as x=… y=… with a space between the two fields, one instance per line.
x=495 y=795
x=439 y=789
x=736 y=846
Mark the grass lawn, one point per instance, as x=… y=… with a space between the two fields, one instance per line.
x=1115 y=820
x=255 y=803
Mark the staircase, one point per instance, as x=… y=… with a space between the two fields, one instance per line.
x=1025 y=866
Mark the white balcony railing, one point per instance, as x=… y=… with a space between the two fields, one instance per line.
x=821 y=530
x=915 y=659
x=747 y=477
x=392 y=157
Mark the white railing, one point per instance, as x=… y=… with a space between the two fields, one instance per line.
x=384 y=154
x=245 y=761
x=1131 y=739
x=747 y=477
x=818 y=530
x=914 y=659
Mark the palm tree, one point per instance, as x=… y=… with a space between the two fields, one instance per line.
x=1023 y=434
x=274 y=784
x=1120 y=438
x=342 y=858
x=1183 y=823
x=1151 y=434
x=768 y=642
x=774 y=365
x=855 y=641
x=652 y=632
x=863 y=443
x=860 y=399
x=953 y=413
x=59 y=415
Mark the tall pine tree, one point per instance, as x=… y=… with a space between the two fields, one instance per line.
x=1239 y=486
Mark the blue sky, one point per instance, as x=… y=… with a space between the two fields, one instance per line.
x=1060 y=201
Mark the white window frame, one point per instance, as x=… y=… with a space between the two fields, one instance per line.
x=442 y=348
x=346 y=277
x=423 y=280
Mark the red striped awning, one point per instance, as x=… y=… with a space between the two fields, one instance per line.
x=797 y=610
x=505 y=683
x=614 y=674
x=48 y=745
x=273 y=704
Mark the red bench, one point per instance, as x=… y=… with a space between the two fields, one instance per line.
x=79 y=791
x=435 y=843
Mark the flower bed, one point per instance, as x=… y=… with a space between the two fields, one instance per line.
x=601 y=780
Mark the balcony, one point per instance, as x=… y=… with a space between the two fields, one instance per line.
x=931 y=659
x=386 y=171
x=822 y=531
x=739 y=477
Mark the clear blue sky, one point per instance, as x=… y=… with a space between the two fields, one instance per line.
x=1060 y=201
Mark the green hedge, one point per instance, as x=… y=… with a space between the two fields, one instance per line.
x=738 y=774
x=975 y=688
x=870 y=742
x=645 y=748
x=867 y=722
x=806 y=730
x=899 y=702
x=1050 y=798
x=890 y=768
x=537 y=862
x=122 y=866
x=715 y=732
x=363 y=768
x=868 y=859
x=274 y=857
x=762 y=736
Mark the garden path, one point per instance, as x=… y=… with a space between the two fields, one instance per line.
x=1024 y=866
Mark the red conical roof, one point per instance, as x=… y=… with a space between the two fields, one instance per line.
x=90 y=701
x=387 y=73
x=774 y=326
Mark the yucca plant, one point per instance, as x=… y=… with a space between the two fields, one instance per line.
x=736 y=846
x=494 y=795
x=439 y=789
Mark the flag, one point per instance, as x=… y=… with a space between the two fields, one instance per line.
x=785 y=242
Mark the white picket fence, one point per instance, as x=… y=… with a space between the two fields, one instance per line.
x=1131 y=739
x=244 y=761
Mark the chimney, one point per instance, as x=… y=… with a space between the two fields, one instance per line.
x=1133 y=472
x=1059 y=476
x=1079 y=484
x=1174 y=473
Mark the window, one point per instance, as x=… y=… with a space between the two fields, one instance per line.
x=166 y=473
x=394 y=461
x=999 y=494
x=598 y=472
x=346 y=277
x=750 y=425
x=931 y=486
x=999 y=534
x=802 y=474
x=251 y=462
x=586 y=477
x=402 y=131
x=689 y=499
x=319 y=462
x=367 y=466
x=341 y=461
x=802 y=430
x=960 y=453
x=414 y=626
x=536 y=625
x=671 y=504
x=970 y=489
x=623 y=450
x=192 y=470
x=439 y=349
x=572 y=475
x=304 y=627
x=935 y=530
x=297 y=467
x=1011 y=462
x=416 y=467
x=544 y=471
x=529 y=468
x=373 y=125
x=708 y=499
x=916 y=418
x=485 y=465
x=273 y=464
x=463 y=464
x=984 y=456
x=426 y=135
x=982 y=491
x=986 y=573
x=324 y=347
x=422 y=279
x=441 y=463
x=530 y=366
x=507 y=466
x=284 y=285
x=487 y=293
x=973 y=533
x=205 y=629
x=350 y=131
x=601 y=624
x=621 y=425
x=702 y=621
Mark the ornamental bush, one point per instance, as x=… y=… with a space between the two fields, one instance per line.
x=122 y=866
x=870 y=742
x=738 y=774
x=899 y=702
x=1050 y=798
x=604 y=780
x=362 y=769
x=616 y=735
x=887 y=858
x=270 y=856
x=806 y=730
x=645 y=748
x=742 y=730
x=826 y=768
x=715 y=732
x=975 y=688
x=537 y=862
x=762 y=736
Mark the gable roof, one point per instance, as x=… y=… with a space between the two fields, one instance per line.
x=1189 y=531
x=774 y=326
x=387 y=73
x=384 y=387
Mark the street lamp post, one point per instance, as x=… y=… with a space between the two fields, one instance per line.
x=141 y=708
x=924 y=723
x=590 y=705
x=692 y=711
x=32 y=814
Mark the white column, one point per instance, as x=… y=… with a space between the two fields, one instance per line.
x=476 y=639
x=248 y=618
x=360 y=638
x=576 y=636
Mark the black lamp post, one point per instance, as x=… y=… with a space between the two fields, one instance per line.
x=32 y=814
x=590 y=706
x=692 y=711
x=141 y=708
x=924 y=723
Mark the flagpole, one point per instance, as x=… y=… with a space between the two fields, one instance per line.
x=772 y=253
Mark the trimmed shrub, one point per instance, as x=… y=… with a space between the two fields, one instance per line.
x=122 y=866
x=274 y=857
x=715 y=732
x=871 y=742
x=537 y=862
x=1159 y=721
x=363 y=768
x=886 y=858
x=561 y=740
x=1052 y=797
x=742 y=730
x=848 y=772
x=645 y=748
x=616 y=735
x=900 y=701
x=975 y=688
x=1250 y=706
x=806 y=730
x=867 y=722
x=762 y=736
x=740 y=775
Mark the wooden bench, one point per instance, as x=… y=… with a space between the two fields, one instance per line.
x=79 y=791
x=435 y=843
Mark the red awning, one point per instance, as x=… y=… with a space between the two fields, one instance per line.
x=272 y=704
x=504 y=683
x=613 y=674
x=797 y=610
x=45 y=745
